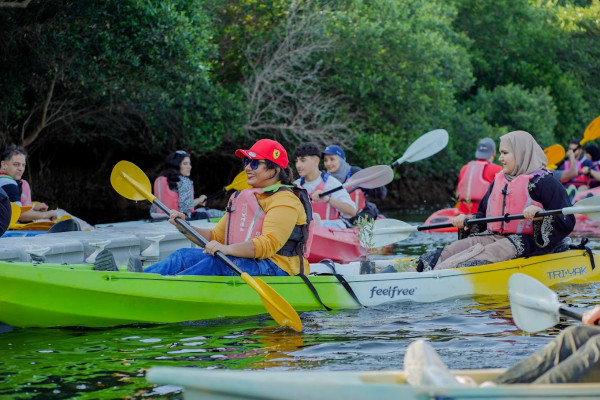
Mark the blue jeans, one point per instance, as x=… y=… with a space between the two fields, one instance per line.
x=195 y=262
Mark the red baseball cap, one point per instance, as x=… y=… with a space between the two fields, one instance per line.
x=266 y=149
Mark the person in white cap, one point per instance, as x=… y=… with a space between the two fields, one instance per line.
x=475 y=177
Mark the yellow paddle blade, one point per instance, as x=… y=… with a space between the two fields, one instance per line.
x=240 y=182
x=15 y=213
x=592 y=132
x=281 y=311
x=554 y=154
x=131 y=182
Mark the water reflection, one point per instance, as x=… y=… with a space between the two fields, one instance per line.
x=111 y=363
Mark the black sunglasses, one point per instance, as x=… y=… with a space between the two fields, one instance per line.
x=253 y=163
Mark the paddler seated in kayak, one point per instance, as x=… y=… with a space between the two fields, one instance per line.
x=264 y=231
x=12 y=167
x=571 y=357
x=582 y=180
x=335 y=163
x=475 y=177
x=334 y=209
x=524 y=186
x=592 y=152
x=175 y=189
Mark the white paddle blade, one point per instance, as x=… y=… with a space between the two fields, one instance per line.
x=389 y=231
x=534 y=307
x=425 y=146
x=589 y=206
x=371 y=178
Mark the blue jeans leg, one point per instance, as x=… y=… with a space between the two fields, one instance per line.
x=195 y=262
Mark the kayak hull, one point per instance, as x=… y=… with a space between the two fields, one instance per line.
x=348 y=385
x=442 y=216
x=336 y=244
x=54 y=295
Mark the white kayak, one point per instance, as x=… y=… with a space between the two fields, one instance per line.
x=205 y=384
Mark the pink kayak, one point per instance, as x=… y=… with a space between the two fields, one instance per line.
x=337 y=244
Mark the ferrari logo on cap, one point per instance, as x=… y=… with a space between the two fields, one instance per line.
x=276 y=154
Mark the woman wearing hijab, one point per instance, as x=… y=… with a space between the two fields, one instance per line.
x=523 y=186
x=335 y=162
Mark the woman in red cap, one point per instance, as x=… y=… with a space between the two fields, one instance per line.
x=265 y=227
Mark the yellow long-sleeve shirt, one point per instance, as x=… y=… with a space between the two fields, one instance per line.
x=283 y=210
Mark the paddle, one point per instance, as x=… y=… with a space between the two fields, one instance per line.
x=240 y=182
x=388 y=231
x=368 y=178
x=425 y=146
x=535 y=307
x=132 y=183
x=592 y=131
x=554 y=154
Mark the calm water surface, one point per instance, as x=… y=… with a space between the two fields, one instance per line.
x=111 y=363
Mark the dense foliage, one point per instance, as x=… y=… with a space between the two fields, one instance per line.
x=147 y=77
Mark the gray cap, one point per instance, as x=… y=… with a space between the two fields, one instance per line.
x=485 y=148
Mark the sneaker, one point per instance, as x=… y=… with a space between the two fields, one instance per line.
x=134 y=264
x=105 y=262
x=423 y=366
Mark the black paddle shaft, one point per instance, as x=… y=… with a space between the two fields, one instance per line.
x=505 y=218
x=195 y=237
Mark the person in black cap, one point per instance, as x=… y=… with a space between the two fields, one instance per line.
x=475 y=177
x=335 y=162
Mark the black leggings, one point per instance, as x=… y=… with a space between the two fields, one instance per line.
x=5 y=212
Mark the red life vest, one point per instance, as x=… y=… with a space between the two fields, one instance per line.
x=579 y=180
x=324 y=209
x=472 y=186
x=510 y=198
x=168 y=197
x=245 y=219
x=25 y=193
x=358 y=197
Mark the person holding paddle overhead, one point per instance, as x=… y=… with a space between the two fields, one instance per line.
x=475 y=177
x=334 y=209
x=335 y=162
x=523 y=186
x=265 y=230
x=175 y=188
x=582 y=180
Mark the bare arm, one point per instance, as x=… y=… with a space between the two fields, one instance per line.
x=572 y=171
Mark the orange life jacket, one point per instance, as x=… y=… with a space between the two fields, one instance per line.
x=510 y=198
x=472 y=186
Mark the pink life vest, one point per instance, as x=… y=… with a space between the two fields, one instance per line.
x=245 y=219
x=510 y=198
x=579 y=180
x=358 y=197
x=25 y=193
x=324 y=209
x=168 y=197
x=472 y=186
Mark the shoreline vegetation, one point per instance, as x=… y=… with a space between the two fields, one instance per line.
x=87 y=84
